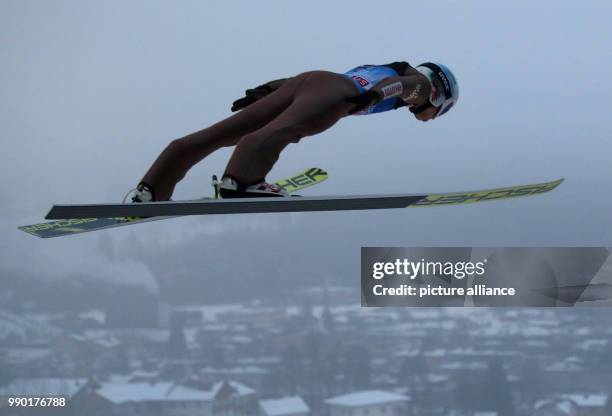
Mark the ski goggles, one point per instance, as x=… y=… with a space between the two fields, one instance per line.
x=437 y=96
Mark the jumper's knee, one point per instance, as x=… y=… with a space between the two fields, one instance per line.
x=176 y=147
x=175 y=150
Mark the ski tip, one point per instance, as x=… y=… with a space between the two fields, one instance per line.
x=470 y=197
x=559 y=181
x=318 y=173
x=552 y=184
x=304 y=179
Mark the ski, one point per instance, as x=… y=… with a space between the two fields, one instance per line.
x=276 y=204
x=302 y=180
x=471 y=197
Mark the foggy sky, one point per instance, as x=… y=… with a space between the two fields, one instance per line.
x=93 y=91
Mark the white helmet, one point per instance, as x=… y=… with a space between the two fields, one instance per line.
x=446 y=98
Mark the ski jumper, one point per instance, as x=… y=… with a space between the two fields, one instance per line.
x=304 y=105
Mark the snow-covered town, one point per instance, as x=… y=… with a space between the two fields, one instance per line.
x=312 y=357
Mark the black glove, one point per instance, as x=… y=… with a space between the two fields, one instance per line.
x=370 y=97
x=254 y=94
x=243 y=102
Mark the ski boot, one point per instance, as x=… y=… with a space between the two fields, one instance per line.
x=230 y=188
x=142 y=193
